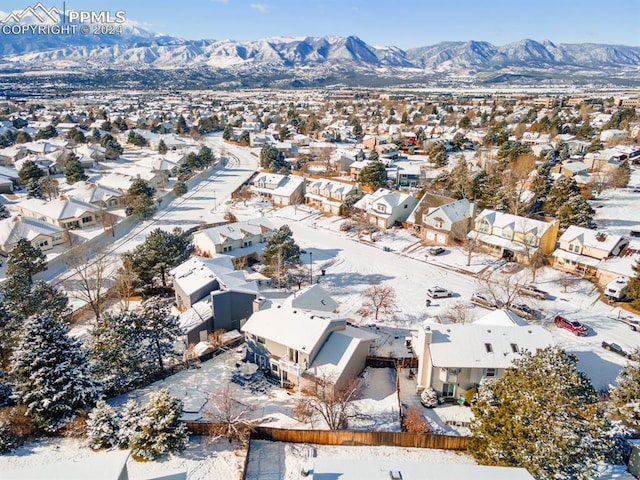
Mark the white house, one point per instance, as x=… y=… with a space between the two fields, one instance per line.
x=39 y=233
x=297 y=345
x=241 y=238
x=385 y=207
x=67 y=213
x=454 y=358
x=279 y=189
x=329 y=195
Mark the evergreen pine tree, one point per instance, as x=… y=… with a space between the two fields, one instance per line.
x=103 y=426
x=74 y=171
x=160 y=330
x=542 y=415
x=34 y=190
x=140 y=199
x=373 y=175
x=565 y=202
x=180 y=188
x=227 y=133
x=29 y=171
x=625 y=396
x=118 y=352
x=130 y=418
x=181 y=125
x=4 y=212
x=50 y=372
x=281 y=250
x=162 y=147
x=25 y=260
x=160 y=429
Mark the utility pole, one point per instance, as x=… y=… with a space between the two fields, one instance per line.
x=311 y=267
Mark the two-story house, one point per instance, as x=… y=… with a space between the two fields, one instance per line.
x=239 y=239
x=328 y=195
x=279 y=189
x=513 y=237
x=384 y=208
x=581 y=250
x=454 y=358
x=441 y=220
x=298 y=346
x=103 y=197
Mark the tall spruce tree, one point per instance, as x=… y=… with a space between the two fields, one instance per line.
x=542 y=415
x=74 y=171
x=373 y=175
x=50 y=372
x=25 y=260
x=103 y=426
x=625 y=396
x=160 y=330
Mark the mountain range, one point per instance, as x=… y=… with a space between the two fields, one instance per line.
x=317 y=60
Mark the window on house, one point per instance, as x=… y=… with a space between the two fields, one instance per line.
x=260 y=340
x=507 y=233
x=87 y=219
x=274 y=368
x=484 y=227
x=490 y=372
x=488 y=347
x=514 y=348
x=43 y=243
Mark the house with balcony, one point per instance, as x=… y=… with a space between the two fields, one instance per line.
x=328 y=196
x=297 y=346
x=281 y=190
x=513 y=237
x=66 y=213
x=442 y=220
x=454 y=358
x=582 y=250
x=383 y=208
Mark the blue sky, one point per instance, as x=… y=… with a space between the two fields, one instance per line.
x=403 y=23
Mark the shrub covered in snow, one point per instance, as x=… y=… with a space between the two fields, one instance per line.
x=429 y=398
x=103 y=426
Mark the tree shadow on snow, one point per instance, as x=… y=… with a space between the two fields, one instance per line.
x=601 y=372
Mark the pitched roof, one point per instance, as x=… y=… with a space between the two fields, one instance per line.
x=313 y=297
x=484 y=346
x=14 y=228
x=235 y=231
x=59 y=208
x=516 y=222
x=591 y=238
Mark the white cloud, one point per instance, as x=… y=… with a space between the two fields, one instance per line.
x=261 y=7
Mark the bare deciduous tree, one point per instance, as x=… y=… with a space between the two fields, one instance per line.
x=124 y=286
x=229 y=417
x=90 y=277
x=322 y=400
x=414 y=421
x=459 y=312
x=503 y=289
x=378 y=299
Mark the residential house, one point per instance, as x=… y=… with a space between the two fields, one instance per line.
x=384 y=208
x=40 y=234
x=67 y=213
x=279 y=189
x=442 y=220
x=513 y=237
x=105 y=198
x=9 y=155
x=298 y=346
x=571 y=169
x=581 y=250
x=356 y=167
x=329 y=195
x=212 y=296
x=454 y=358
x=244 y=239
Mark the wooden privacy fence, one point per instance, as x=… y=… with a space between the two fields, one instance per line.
x=348 y=437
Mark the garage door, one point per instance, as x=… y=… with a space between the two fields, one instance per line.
x=431 y=236
x=441 y=239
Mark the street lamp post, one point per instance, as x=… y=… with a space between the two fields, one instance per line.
x=311 y=268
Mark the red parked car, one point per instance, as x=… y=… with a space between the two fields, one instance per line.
x=571 y=325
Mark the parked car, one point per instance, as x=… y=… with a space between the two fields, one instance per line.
x=433 y=251
x=616 y=289
x=635 y=233
x=533 y=291
x=524 y=310
x=633 y=323
x=615 y=348
x=439 y=292
x=571 y=325
x=484 y=301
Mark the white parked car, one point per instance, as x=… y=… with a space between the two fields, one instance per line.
x=439 y=292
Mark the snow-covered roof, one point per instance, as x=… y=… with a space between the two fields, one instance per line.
x=501 y=317
x=313 y=297
x=337 y=350
x=455 y=211
x=103 y=465
x=332 y=186
x=283 y=185
x=389 y=197
x=15 y=228
x=92 y=192
x=591 y=238
x=236 y=231
x=379 y=469
x=516 y=222
x=198 y=313
x=484 y=346
x=196 y=272
x=298 y=329
x=58 y=208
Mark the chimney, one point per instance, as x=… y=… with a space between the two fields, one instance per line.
x=258 y=303
x=428 y=335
